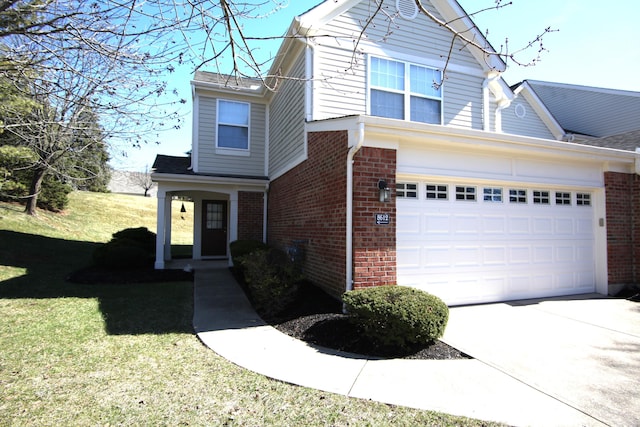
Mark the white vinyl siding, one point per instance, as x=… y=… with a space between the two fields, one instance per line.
x=463 y=101
x=286 y=120
x=209 y=161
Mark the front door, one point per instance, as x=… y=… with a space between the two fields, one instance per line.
x=214 y=228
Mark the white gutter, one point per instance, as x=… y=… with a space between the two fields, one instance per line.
x=349 y=238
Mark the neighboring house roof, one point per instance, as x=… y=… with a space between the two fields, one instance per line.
x=590 y=111
x=627 y=141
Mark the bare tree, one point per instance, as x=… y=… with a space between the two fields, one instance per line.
x=143 y=180
x=116 y=57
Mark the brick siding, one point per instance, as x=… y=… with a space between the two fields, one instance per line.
x=250 y=215
x=623 y=227
x=307 y=207
x=374 y=246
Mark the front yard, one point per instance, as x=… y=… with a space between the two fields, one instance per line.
x=107 y=354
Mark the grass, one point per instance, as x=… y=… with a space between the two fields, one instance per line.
x=126 y=354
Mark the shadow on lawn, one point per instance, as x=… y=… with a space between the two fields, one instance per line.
x=131 y=309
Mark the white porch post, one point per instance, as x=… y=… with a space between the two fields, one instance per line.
x=233 y=222
x=160 y=227
x=167 y=228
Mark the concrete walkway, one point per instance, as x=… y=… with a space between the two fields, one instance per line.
x=568 y=380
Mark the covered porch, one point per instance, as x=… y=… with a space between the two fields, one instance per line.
x=225 y=209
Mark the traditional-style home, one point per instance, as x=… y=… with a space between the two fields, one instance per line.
x=388 y=155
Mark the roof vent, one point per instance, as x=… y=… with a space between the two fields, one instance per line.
x=408 y=9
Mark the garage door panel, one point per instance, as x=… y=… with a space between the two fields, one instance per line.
x=477 y=251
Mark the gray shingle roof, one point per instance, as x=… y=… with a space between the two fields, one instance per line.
x=172 y=165
x=588 y=110
x=628 y=141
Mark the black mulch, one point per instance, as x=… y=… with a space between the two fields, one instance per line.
x=98 y=275
x=317 y=318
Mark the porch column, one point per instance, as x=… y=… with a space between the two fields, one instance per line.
x=160 y=227
x=167 y=228
x=233 y=223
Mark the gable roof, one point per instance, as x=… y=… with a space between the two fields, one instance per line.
x=587 y=110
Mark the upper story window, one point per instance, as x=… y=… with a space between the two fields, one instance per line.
x=405 y=91
x=233 y=125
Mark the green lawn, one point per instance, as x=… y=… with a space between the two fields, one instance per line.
x=126 y=354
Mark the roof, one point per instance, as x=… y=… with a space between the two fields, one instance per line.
x=590 y=111
x=172 y=165
x=627 y=141
x=227 y=81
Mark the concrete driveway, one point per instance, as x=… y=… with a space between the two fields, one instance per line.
x=582 y=350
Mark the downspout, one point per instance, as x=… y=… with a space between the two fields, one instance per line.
x=486 y=118
x=349 y=237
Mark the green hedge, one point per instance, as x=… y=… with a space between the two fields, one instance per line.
x=128 y=248
x=240 y=248
x=272 y=279
x=397 y=315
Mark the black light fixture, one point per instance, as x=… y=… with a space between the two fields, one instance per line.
x=384 y=191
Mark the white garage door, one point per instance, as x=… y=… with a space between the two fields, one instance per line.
x=472 y=243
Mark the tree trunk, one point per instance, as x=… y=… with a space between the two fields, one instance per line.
x=34 y=190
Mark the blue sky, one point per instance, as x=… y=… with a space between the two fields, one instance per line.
x=595 y=46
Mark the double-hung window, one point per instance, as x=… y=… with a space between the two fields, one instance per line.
x=405 y=91
x=233 y=125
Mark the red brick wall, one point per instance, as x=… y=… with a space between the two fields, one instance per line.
x=374 y=246
x=623 y=227
x=250 y=215
x=308 y=204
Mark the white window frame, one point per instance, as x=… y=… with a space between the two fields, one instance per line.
x=563 y=198
x=541 y=197
x=466 y=193
x=518 y=195
x=232 y=150
x=403 y=190
x=583 y=199
x=492 y=194
x=440 y=191
x=406 y=91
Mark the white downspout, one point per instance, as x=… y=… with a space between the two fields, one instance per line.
x=349 y=238
x=486 y=110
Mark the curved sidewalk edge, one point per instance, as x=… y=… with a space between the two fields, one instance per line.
x=226 y=323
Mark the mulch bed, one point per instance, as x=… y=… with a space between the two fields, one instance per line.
x=97 y=275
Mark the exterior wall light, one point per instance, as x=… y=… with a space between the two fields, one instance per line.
x=385 y=192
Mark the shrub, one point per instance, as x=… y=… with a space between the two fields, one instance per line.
x=129 y=248
x=240 y=248
x=53 y=195
x=397 y=315
x=272 y=278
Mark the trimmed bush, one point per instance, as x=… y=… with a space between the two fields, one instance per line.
x=397 y=316
x=273 y=280
x=129 y=248
x=240 y=248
